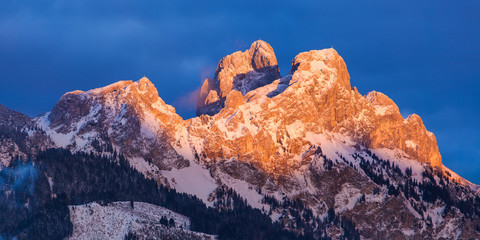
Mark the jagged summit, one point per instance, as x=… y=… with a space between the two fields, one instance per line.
x=306 y=138
x=263 y=56
x=241 y=71
x=383 y=105
x=127 y=115
x=144 y=81
x=75 y=105
x=256 y=113
x=315 y=97
x=112 y=87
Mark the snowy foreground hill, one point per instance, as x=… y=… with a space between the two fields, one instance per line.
x=300 y=156
x=117 y=219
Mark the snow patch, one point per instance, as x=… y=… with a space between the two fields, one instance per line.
x=411 y=144
x=147 y=169
x=295 y=129
x=63 y=140
x=193 y=179
x=115 y=220
x=245 y=190
x=347 y=198
x=381 y=110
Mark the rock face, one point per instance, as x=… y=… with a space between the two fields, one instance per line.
x=274 y=124
x=241 y=71
x=257 y=116
x=126 y=116
x=19 y=136
x=409 y=135
x=13 y=118
x=308 y=136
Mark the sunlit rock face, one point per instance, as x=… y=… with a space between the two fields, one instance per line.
x=250 y=114
x=128 y=116
x=409 y=135
x=241 y=71
x=276 y=124
x=307 y=136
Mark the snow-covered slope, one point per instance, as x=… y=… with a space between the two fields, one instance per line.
x=125 y=117
x=116 y=220
x=306 y=145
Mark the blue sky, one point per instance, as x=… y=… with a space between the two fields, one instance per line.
x=425 y=55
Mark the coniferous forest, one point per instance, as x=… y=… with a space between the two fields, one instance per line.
x=31 y=208
x=35 y=195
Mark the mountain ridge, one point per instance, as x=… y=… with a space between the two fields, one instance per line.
x=308 y=136
x=312 y=69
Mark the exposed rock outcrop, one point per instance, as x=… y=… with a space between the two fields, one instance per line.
x=305 y=137
x=13 y=118
x=409 y=135
x=241 y=71
x=19 y=137
x=314 y=98
x=126 y=115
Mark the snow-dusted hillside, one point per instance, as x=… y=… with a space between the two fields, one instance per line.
x=306 y=149
x=115 y=220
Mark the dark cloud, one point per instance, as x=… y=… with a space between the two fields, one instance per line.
x=423 y=54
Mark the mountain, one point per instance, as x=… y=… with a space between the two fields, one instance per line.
x=306 y=149
x=19 y=136
x=241 y=71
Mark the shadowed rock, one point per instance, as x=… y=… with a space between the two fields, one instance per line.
x=241 y=71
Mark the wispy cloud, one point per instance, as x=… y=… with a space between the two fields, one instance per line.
x=186 y=104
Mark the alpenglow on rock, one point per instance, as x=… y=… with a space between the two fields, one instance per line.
x=308 y=137
x=257 y=116
x=128 y=116
x=241 y=71
x=277 y=121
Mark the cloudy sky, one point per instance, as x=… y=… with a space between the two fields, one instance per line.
x=425 y=55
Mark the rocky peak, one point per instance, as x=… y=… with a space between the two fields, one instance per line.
x=382 y=104
x=234 y=99
x=318 y=63
x=263 y=56
x=379 y=99
x=75 y=105
x=13 y=118
x=146 y=88
x=71 y=107
x=271 y=124
x=392 y=131
x=373 y=121
x=241 y=71
x=129 y=115
x=109 y=88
